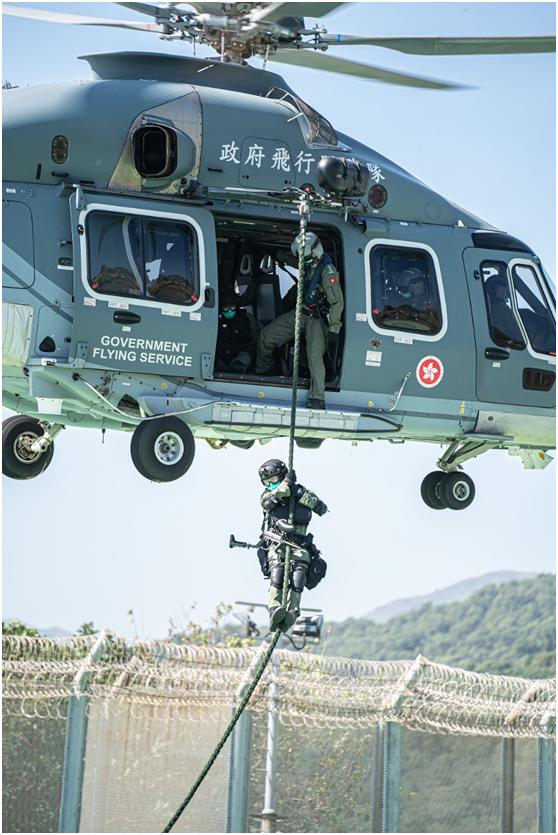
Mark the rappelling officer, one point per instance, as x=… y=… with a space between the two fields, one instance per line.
x=275 y=500
x=322 y=309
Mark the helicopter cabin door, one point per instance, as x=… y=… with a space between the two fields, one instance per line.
x=144 y=294
x=514 y=321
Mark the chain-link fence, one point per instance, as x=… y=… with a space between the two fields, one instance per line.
x=104 y=735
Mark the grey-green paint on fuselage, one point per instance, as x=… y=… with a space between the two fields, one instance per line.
x=224 y=106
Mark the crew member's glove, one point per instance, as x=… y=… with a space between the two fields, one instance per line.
x=332 y=340
x=320 y=508
x=290 y=478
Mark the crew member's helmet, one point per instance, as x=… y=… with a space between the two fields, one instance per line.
x=313 y=248
x=229 y=302
x=497 y=288
x=408 y=281
x=273 y=470
x=229 y=299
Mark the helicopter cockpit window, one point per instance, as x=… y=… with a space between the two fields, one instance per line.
x=142 y=257
x=533 y=309
x=321 y=131
x=502 y=322
x=405 y=293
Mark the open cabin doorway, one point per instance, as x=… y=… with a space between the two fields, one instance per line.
x=255 y=262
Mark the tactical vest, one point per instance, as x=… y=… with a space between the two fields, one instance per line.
x=312 y=286
x=302 y=514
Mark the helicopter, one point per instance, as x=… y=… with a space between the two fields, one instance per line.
x=135 y=201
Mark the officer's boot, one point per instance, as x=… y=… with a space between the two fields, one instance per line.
x=276 y=618
x=290 y=619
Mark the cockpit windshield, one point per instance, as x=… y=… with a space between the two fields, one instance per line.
x=550 y=283
x=533 y=309
x=321 y=131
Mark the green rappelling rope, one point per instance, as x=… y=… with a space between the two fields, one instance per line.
x=262 y=664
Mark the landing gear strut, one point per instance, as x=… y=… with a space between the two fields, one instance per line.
x=27 y=446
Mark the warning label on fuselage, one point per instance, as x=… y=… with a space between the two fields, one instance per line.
x=147 y=351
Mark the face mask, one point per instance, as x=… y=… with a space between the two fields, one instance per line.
x=229 y=314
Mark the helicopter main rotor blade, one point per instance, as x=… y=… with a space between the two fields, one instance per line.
x=450 y=46
x=146 y=8
x=62 y=17
x=275 y=11
x=330 y=63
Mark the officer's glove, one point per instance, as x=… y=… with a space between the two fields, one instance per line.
x=291 y=478
x=332 y=340
x=270 y=501
x=320 y=508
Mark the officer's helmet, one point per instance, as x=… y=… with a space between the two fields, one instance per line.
x=313 y=248
x=273 y=470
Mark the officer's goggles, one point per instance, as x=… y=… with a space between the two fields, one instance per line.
x=272 y=479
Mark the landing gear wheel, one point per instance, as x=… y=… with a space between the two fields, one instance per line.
x=309 y=443
x=457 y=491
x=18 y=460
x=243 y=444
x=162 y=449
x=430 y=490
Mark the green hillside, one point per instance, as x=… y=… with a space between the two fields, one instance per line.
x=507 y=629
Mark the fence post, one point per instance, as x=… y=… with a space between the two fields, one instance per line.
x=507 y=784
x=392 y=777
x=239 y=757
x=377 y=815
x=76 y=737
x=545 y=785
x=269 y=813
x=239 y=774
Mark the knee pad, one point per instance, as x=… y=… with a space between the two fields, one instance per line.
x=277 y=575
x=299 y=578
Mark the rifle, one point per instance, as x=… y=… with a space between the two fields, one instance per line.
x=283 y=526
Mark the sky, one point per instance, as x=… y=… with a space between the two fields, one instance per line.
x=90 y=539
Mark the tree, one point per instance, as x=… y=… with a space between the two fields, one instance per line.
x=87 y=629
x=16 y=627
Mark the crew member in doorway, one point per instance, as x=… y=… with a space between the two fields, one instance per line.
x=275 y=500
x=236 y=338
x=322 y=309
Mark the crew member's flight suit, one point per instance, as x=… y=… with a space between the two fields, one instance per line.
x=276 y=506
x=322 y=309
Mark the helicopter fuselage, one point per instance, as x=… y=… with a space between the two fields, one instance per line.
x=105 y=179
